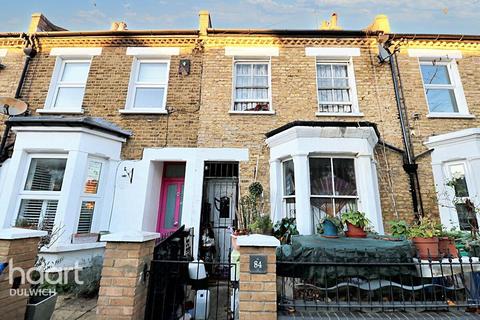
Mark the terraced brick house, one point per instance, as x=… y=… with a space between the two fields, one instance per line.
x=149 y=130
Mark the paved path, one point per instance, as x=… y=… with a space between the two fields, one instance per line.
x=71 y=308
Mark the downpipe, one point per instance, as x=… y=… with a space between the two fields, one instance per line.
x=409 y=164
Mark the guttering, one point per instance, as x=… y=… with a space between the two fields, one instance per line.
x=427 y=36
x=343 y=124
x=11 y=34
x=109 y=33
x=294 y=33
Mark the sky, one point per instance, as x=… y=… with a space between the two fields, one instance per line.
x=407 y=16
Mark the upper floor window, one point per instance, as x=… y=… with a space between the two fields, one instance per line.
x=41 y=193
x=68 y=84
x=148 y=85
x=252 y=92
x=443 y=88
x=336 y=87
x=69 y=79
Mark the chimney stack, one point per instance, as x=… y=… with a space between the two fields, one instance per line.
x=380 y=23
x=204 y=22
x=332 y=24
x=118 y=26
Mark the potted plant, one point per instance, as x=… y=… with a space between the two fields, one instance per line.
x=399 y=228
x=446 y=243
x=329 y=226
x=262 y=225
x=41 y=306
x=356 y=222
x=285 y=229
x=424 y=236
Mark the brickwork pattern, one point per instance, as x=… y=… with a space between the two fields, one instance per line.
x=23 y=252
x=258 y=292
x=122 y=290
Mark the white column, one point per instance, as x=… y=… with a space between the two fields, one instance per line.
x=302 y=193
x=192 y=198
x=14 y=178
x=367 y=184
x=68 y=209
x=276 y=190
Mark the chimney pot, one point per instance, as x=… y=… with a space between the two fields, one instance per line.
x=118 y=26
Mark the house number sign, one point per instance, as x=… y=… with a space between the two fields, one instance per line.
x=258 y=264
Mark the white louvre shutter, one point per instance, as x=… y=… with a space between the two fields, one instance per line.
x=39 y=213
x=86 y=217
x=45 y=175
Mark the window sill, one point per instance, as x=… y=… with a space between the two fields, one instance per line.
x=66 y=247
x=143 y=111
x=450 y=115
x=271 y=112
x=339 y=114
x=63 y=111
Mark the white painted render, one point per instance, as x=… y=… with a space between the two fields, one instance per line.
x=435 y=53
x=75 y=52
x=461 y=146
x=299 y=143
x=136 y=204
x=332 y=52
x=153 y=52
x=77 y=145
x=3 y=52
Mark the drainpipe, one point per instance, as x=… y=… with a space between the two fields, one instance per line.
x=30 y=52
x=409 y=164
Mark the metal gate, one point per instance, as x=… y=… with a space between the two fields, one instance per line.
x=180 y=288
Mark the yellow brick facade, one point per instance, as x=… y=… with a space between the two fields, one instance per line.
x=199 y=103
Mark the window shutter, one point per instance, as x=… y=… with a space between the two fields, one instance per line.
x=39 y=213
x=45 y=175
x=86 y=217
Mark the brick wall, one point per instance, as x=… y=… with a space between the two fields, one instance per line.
x=23 y=253
x=122 y=290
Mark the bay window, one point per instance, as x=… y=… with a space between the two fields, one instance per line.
x=252 y=90
x=333 y=187
x=289 y=188
x=41 y=192
x=467 y=217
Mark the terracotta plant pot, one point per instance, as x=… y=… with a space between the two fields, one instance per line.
x=446 y=247
x=354 y=231
x=427 y=247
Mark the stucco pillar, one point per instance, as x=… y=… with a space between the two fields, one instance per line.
x=192 y=198
x=367 y=187
x=68 y=211
x=276 y=190
x=302 y=193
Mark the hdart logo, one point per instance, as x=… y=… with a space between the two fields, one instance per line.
x=18 y=276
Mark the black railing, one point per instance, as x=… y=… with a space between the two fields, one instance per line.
x=181 y=290
x=340 y=282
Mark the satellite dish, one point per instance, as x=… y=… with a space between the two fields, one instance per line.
x=12 y=107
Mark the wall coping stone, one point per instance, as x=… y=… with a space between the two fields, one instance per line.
x=257 y=240
x=129 y=236
x=20 y=233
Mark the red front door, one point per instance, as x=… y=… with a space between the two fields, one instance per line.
x=171 y=201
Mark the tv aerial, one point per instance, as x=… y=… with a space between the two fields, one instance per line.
x=12 y=107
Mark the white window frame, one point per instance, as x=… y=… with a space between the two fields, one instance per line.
x=133 y=85
x=251 y=60
x=55 y=84
x=331 y=157
x=455 y=85
x=90 y=197
x=285 y=197
x=451 y=191
x=351 y=83
x=38 y=195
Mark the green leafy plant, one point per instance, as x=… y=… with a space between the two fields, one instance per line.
x=426 y=228
x=337 y=222
x=263 y=224
x=284 y=229
x=399 y=228
x=356 y=218
x=251 y=206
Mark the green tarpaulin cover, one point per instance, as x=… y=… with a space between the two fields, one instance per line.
x=317 y=257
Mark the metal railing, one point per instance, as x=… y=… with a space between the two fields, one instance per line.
x=333 y=283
